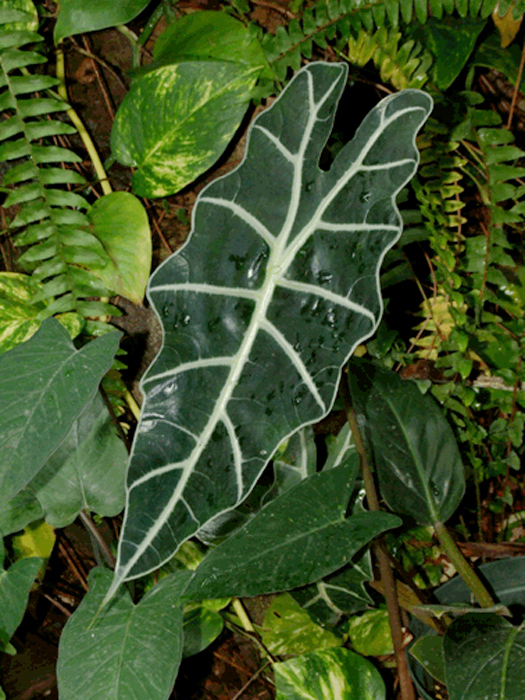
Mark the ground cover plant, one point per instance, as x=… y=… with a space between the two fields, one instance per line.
x=213 y=512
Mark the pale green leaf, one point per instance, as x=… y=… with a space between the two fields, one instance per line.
x=334 y=674
x=120 y=223
x=287 y=629
x=18 y=313
x=370 y=633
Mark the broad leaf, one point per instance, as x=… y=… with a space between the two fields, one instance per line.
x=337 y=674
x=261 y=308
x=294 y=540
x=79 y=16
x=485 y=658
x=287 y=629
x=209 y=36
x=415 y=452
x=370 y=633
x=198 y=108
x=120 y=223
x=45 y=383
x=201 y=627
x=131 y=652
x=295 y=460
x=87 y=471
x=15 y=585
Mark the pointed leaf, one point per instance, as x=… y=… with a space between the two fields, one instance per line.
x=45 y=384
x=199 y=107
x=131 y=652
x=276 y=286
x=87 y=471
x=15 y=585
x=485 y=658
x=295 y=540
x=78 y=16
x=415 y=452
x=20 y=511
x=120 y=223
x=337 y=674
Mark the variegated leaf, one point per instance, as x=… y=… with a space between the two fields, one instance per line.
x=264 y=304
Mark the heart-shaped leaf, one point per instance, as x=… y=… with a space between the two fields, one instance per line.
x=415 y=452
x=130 y=651
x=78 y=16
x=261 y=308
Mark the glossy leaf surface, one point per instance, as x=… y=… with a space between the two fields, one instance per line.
x=120 y=223
x=485 y=658
x=131 y=652
x=337 y=674
x=295 y=540
x=78 y=16
x=199 y=106
x=415 y=452
x=45 y=383
x=18 y=314
x=275 y=287
x=287 y=629
x=87 y=471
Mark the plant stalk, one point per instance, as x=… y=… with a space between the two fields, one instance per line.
x=463 y=567
x=385 y=570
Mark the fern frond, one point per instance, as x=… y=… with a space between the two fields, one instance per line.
x=404 y=66
x=327 y=20
x=50 y=221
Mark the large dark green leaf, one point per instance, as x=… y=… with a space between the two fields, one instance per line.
x=295 y=540
x=45 y=383
x=261 y=308
x=485 y=658
x=131 y=652
x=87 y=471
x=415 y=452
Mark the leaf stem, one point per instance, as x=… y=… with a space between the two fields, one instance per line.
x=242 y=615
x=463 y=567
x=385 y=570
x=79 y=124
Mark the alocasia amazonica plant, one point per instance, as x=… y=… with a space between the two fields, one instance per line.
x=261 y=308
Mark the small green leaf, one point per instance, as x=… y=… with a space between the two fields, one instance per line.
x=370 y=633
x=295 y=540
x=18 y=313
x=198 y=108
x=78 y=16
x=415 y=452
x=288 y=629
x=45 y=383
x=428 y=651
x=120 y=223
x=20 y=511
x=335 y=674
x=130 y=651
x=485 y=658
x=201 y=627
x=87 y=472
x=37 y=540
x=15 y=585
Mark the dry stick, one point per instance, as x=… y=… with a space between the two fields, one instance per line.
x=385 y=570
x=58 y=605
x=76 y=570
x=516 y=87
x=250 y=681
x=97 y=535
x=100 y=82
